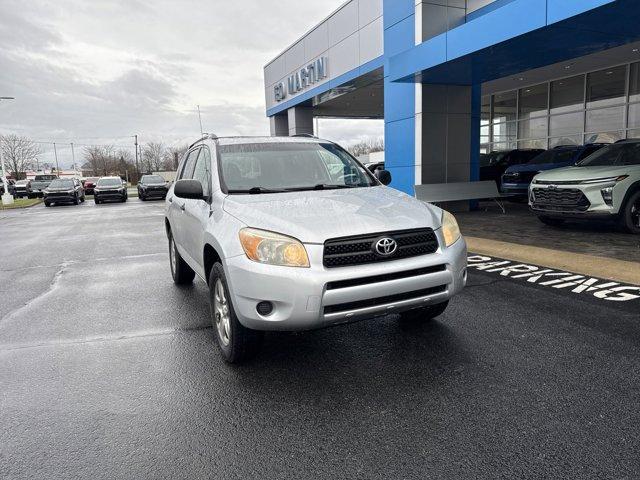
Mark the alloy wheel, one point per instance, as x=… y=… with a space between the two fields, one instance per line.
x=221 y=313
x=635 y=213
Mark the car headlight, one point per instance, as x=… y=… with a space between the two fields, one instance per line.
x=450 y=229
x=605 y=180
x=272 y=248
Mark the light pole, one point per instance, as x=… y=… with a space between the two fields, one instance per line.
x=7 y=198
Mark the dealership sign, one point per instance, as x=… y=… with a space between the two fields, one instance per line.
x=546 y=277
x=302 y=79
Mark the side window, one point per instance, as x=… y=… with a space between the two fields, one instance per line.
x=189 y=165
x=202 y=171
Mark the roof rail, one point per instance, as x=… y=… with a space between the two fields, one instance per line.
x=305 y=135
x=205 y=136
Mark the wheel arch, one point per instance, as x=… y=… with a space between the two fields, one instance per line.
x=633 y=188
x=210 y=256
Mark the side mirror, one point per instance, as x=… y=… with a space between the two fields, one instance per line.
x=384 y=176
x=190 y=189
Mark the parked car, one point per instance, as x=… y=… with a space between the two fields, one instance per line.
x=152 y=186
x=40 y=182
x=109 y=189
x=494 y=164
x=22 y=188
x=89 y=184
x=286 y=240
x=10 y=183
x=63 y=190
x=605 y=185
x=517 y=178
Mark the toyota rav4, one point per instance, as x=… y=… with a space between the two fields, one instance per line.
x=295 y=234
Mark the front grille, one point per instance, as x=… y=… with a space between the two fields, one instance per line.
x=561 y=199
x=354 y=282
x=374 y=302
x=359 y=250
x=521 y=177
x=59 y=194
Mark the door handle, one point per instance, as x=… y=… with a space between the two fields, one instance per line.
x=170 y=199
x=182 y=207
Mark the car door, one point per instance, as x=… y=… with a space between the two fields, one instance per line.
x=177 y=206
x=197 y=212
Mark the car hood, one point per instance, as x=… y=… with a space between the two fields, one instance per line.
x=315 y=216
x=536 y=167
x=583 y=173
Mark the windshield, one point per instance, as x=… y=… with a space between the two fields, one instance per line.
x=619 y=154
x=561 y=155
x=289 y=166
x=110 y=182
x=91 y=179
x=22 y=182
x=45 y=177
x=60 y=183
x=152 y=179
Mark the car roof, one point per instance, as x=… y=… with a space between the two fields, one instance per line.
x=246 y=140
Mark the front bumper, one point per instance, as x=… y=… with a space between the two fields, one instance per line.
x=59 y=197
x=109 y=195
x=515 y=188
x=316 y=297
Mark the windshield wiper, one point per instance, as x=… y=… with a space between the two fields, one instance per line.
x=321 y=186
x=257 y=190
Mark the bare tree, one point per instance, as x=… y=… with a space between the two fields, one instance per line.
x=173 y=157
x=367 y=146
x=153 y=156
x=19 y=154
x=102 y=159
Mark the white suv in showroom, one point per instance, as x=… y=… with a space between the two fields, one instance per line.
x=295 y=234
x=605 y=185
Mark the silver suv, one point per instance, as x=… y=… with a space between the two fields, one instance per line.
x=605 y=185
x=295 y=234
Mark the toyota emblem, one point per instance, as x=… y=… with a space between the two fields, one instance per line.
x=386 y=246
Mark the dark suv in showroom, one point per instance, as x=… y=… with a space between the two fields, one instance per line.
x=517 y=178
x=494 y=164
x=152 y=186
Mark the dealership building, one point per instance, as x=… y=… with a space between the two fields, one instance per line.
x=454 y=78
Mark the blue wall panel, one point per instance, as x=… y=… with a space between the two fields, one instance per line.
x=558 y=10
x=399 y=97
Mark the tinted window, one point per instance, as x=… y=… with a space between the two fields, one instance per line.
x=567 y=94
x=589 y=150
x=614 y=155
x=296 y=166
x=606 y=87
x=189 y=165
x=60 y=183
x=202 y=171
x=45 y=177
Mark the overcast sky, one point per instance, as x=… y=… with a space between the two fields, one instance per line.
x=99 y=71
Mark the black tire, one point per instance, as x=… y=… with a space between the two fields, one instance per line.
x=630 y=214
x=242 y=343
x=82 y=199
x=424 y=314
x=181 y=273
x=141 y=197
x=76 y=200
x=96 y=201
x=552 y=222
x=47 y=204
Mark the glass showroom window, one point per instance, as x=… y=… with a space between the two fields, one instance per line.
x=533 y=106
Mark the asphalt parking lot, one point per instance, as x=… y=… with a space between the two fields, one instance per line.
x=107 y=370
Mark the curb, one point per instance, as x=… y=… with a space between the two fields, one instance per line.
x=591 y=265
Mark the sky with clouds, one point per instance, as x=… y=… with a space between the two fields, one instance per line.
x=99 y=71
